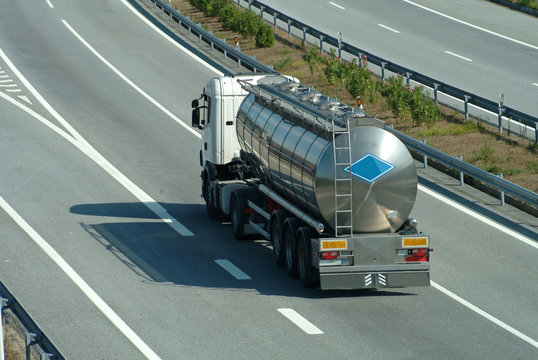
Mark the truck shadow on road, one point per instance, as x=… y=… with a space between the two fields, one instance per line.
x=159 y=255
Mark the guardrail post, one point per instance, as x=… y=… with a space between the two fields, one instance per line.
x=3 y=303
x=304 y=35
x=425 y=156
x=321 y=37
x=249 y=4
x=407 y=77
x=31 y=339
x=500 y=112
x=340 y=45
x=289 y=29
x=502 y=192
x=536 y=132
x=274 y=21
x=461 y=172
x=383 y=64
x=261 y=11
x=46 y=356
x=466 y=97
x=435 y=89
x=239 y=4
x=360 y=59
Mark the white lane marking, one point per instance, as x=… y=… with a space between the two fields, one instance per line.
x=83 y=285
x=13 y=90
x=232 y=269
x=93 y=154
x=535 y=84
x=3 y=76
x=128 y=81
x=457 y=55
x=8 y=85
x=389 y=28
x=163 y=34
x=472 y=25
x=479 y=217
x=338 y=6
x=486 y=315
x=50 y=4
x=6 y=81
x=300 y=321
x=25 y=98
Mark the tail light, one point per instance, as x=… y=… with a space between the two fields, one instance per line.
x=329 y=255
x=416 y=255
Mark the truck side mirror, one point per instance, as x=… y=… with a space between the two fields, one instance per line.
x=195 y=103
x=196 y=117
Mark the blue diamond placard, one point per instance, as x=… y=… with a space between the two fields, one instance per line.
x=369 y=168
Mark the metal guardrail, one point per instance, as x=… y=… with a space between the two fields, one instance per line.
x=34 y=336
x=464 y=168
x=507 y=117
x=504 y=186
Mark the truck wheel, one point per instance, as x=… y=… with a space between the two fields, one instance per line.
x=212 y=212
x=236 y=213
x=308 y=275
x=290 y=255
x=277 y=224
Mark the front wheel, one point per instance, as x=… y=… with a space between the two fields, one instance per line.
x=236 y=213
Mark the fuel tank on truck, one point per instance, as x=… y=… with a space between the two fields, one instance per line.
x=286 y=132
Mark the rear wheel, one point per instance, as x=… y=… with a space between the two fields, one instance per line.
x=307 y=274
x=289 y=240
x=277 y=223
x=236 y=212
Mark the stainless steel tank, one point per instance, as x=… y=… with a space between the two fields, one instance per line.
x=296 y=158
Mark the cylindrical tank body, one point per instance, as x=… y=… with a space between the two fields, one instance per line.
x=296 y=159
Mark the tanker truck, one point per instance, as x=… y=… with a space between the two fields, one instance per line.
x=321 y=180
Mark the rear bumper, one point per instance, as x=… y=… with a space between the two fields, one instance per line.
x=379 y=276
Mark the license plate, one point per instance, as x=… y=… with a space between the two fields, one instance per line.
x=415 y=241
x=333 y=244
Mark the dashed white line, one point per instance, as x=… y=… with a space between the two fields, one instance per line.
x=389 y=28
x=338 y=6
x=82 y=285
x=300 y=321
x=471 y=25
x=486 y=315
x=232 y=269
x=13 y=90
x=457 y=55
x=5 y=81
x=3 y=76
x=50 y=4
x=535 y=84
x=479 y=217
x=8 y=85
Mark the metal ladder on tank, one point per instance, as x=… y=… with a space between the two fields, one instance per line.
x=343 y=180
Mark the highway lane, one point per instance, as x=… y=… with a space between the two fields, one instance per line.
x=459 y=53
x=168 y=288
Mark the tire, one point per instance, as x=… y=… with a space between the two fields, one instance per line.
x=236 y=214
x=290 y=245
x=277 y=225
x=307 y=274
x=212 y=212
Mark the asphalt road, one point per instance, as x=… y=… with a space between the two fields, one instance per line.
x=105 y=240
x=475 y=45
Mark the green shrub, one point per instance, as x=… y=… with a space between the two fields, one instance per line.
x=265 y=36
x=393 y=91
x=227 y=14
x=313 y=59
x=246 y=23
x=358 y=81
x=335 y=69
x=213 y=7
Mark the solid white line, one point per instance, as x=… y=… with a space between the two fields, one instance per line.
x=150 y=24
x=232 y=269
x=479 y=217
x=486 y=315
x=50 y=4
x=86 y=289
x=93 y=154
x=128 y=81
x=338 y=6
x=472 y=25
x=300 y=321
x=458 y=56
x=388 y=28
